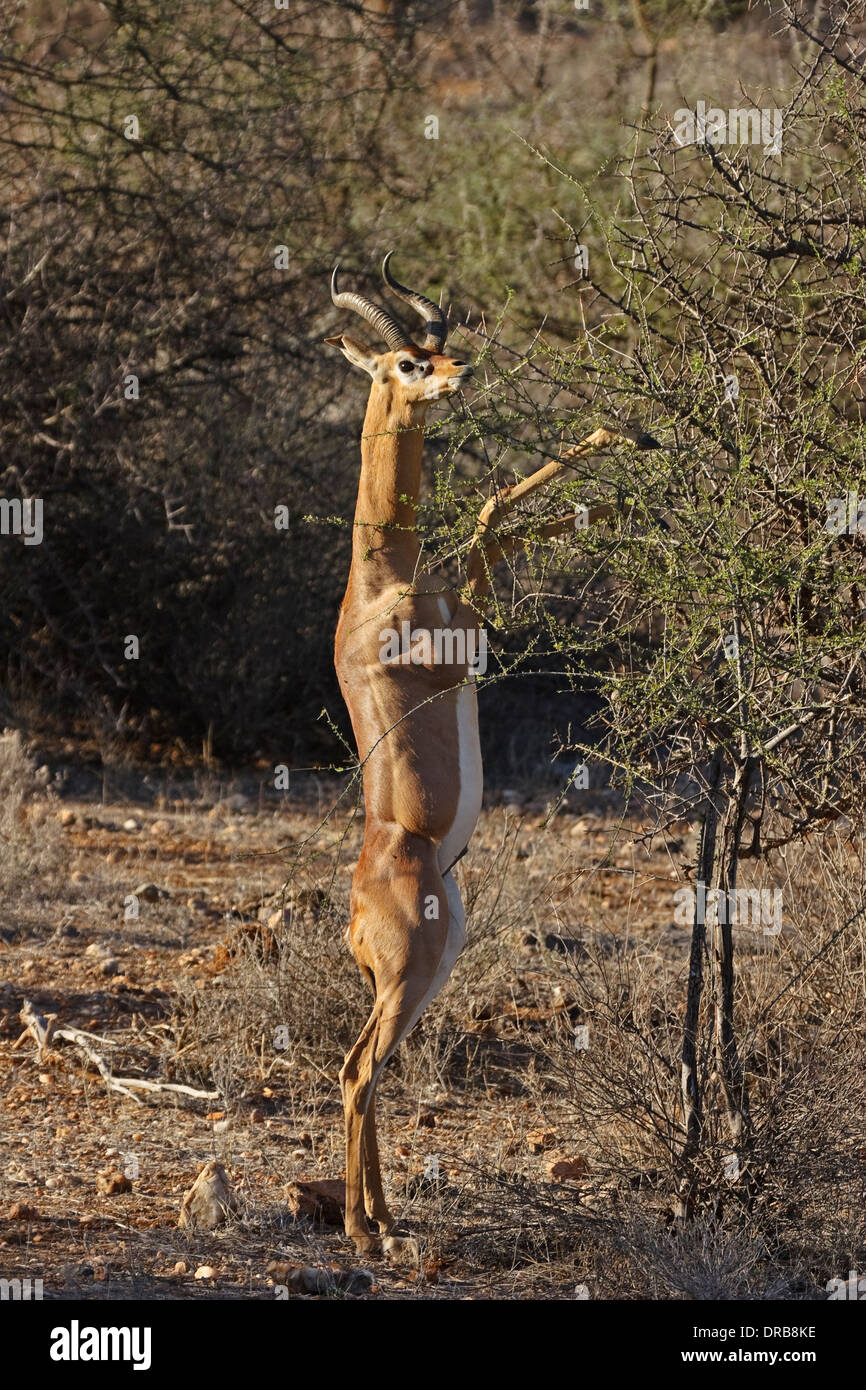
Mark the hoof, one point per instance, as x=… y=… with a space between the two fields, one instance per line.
x=401 y=1250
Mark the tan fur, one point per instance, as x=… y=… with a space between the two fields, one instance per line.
x=405 y=721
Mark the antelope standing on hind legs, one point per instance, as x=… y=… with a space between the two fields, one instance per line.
x=415 y=720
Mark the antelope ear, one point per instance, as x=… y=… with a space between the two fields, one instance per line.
x=355 y=352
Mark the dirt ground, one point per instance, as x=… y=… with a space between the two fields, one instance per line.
x=471 y=1131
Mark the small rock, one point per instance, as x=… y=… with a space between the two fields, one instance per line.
x=67 y=817
x=322 y=1200
x=565 y=945
x=20 y=1211
x=540 y=1139
x=208 y=1202
x=179 y=1268
x=132 y=823
x=567 y=1169
x=109 y=967
x=149 y=892
x=310 y=1280
x=205 y=1272
x=358 y=1281
x=110 y=1184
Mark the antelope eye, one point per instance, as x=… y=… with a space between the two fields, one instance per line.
x=407 y=366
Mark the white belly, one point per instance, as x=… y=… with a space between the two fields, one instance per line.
x=453 y=946
x=471 y=774
x=471 y=778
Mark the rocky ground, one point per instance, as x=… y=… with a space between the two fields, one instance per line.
x=157 y=953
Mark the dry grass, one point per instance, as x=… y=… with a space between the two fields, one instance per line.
x=569 y=926
x=30 y=843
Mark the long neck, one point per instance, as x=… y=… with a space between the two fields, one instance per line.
x=391 y=448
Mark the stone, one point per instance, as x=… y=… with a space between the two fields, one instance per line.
x=308 y=1279
x=111 y=1183
x=322 y=1200
x=20 y=1211
x=149 y=892
x=568 y=1169
x=209 y=1201
x=540 y=1139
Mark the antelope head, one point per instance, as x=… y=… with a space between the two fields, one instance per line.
x=414 y=375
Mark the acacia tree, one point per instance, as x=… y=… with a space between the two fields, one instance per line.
x=176 y=182
x=723 y=303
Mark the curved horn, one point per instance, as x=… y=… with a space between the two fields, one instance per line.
x=434 y=319
x=386 y=326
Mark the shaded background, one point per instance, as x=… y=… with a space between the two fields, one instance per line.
x=259 y=128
